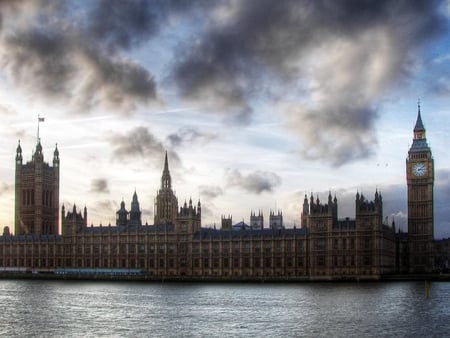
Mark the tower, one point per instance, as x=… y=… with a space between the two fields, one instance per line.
x=305 y=213
x=122 y=215
x=420 y=181
x=135 y=211
x=36 y=194
x=166 y=204
x=257 y=221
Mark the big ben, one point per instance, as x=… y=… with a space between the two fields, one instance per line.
x=420 y=180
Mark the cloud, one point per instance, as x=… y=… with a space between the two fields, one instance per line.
x=53 y=52
x=256 y=182
x=7 y=110
x=324 y=64
x=99 y=185
x=189 y=136
x=103 y=207
x=336 y=58
x=5 y=188
x=141 y=143
x=210 y=192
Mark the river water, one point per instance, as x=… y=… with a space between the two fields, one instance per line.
x=135 y=309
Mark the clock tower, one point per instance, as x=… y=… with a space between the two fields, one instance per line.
x=420 y=180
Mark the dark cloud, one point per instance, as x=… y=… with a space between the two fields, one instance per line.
x=256 y=182
x=190 y=135
x=344 y=55
x=336 y=58
x=123 y=23
x=141 y=143
x=99 y=185
x=58 y=54
x=210 y=192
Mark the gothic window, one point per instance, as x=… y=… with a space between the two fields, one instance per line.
x=182 y=248
x=246 y=247
x=288 y=246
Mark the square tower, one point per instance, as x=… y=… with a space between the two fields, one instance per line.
x=36 y=194
x=420 y=181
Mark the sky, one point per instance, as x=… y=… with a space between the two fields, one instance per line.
x=257 y=102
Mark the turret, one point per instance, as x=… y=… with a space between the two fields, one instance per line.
x=19 y=157
x=56 y=156
x=305 y=212
x=38 y=156
x=85 y=216
x=135 y=211
x=122 y=215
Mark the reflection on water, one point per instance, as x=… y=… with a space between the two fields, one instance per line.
x=61 y=308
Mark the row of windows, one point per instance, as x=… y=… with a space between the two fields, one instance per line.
x=342 y=261
x=342 y=244
x=205 y=263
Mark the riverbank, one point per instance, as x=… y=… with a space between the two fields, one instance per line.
x=233 y=279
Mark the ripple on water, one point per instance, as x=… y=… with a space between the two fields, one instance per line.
x=92 y=309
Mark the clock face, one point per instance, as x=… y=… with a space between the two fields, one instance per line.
x=419 y=169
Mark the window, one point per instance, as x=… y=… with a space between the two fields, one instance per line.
x=321 y=261
x=320 y=244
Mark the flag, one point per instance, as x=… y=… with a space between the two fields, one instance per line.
x=41 y=119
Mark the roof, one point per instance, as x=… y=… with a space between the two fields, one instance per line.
x=214 y=234
x=419 y=124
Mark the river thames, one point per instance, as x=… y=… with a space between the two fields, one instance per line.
x=130 y=309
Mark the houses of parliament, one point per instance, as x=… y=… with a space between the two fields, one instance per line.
x=176 y=246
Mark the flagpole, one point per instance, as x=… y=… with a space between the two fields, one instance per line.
x=39 y=120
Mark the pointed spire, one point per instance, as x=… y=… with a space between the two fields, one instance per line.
x=19 y=148
x=166 y=181
x=19 y=154
x=419 y=124
x=56 y=152
x=166 y=163
x=39 y=147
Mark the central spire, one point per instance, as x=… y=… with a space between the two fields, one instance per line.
x=166 y=181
